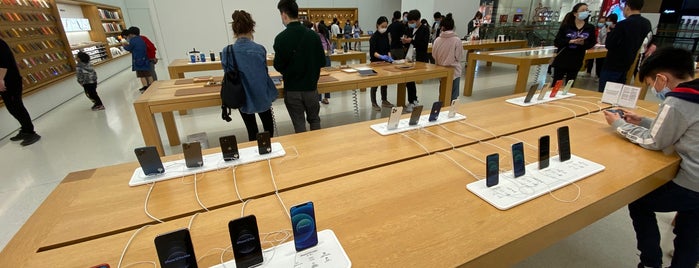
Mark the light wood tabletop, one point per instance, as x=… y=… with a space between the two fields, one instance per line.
x=160 y=96
x=488 y=45
x=340 y=41
x=418 y=213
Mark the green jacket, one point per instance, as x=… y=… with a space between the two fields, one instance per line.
x=298 y=56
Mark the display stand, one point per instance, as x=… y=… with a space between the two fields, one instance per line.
x=520 y=100
x=403 y=125
x=512 y=191
x=178 y=169
x=328 y=253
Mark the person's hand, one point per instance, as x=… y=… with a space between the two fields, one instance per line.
x=577 y=41
x=611 y=117
x=407 y=40
x=632 y=117
x=390 y=59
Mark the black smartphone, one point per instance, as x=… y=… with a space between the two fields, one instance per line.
x=192 y=154
x=492 y=170
x=264 y=143
x=415 y=115
x=303 y=223
x=434 y=113
x=246 y=241
x=530 y=93
x=563 y=143
x=175 y=249
x=150 y=160
x=617 y=111
x=518 y=159
x=544 y=143
x=229 y=147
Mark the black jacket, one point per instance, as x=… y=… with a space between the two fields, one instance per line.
x=396 y=30
x=570 y=56
x=624 y=41
x=421 y=39
x=378 y=43
x=298 y=55
x=13 y=80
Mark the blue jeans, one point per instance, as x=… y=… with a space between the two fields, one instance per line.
x=455 y=88
x=667 y=198
x=610 y=76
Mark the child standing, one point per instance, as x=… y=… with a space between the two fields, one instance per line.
x=87 y=77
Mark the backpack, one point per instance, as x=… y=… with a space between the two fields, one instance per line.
x=232 y=91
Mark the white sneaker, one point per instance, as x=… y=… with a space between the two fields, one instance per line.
x=410 y=106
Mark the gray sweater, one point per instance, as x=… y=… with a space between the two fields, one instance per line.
x=676 y=125
x=86 y=73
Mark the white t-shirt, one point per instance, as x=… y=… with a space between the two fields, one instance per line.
x=335 y=29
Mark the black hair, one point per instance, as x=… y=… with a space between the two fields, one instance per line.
x=676 y=61
x=308 y=24
x=125 y=33
x=334 y=20
x=424 y=21
x=569 y=19
x=289 y=7
x=437 y=15
x=83 y=57
x=414 y=15
x=323 y=29
x=134 y=30
x=447 y=22
x=634 y=4
x=396 y=15
x=381 y=19
x=478 y=14
x=613 y=18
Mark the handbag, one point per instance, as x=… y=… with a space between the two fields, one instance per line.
x=232 y=91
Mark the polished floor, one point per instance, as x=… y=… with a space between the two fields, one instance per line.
x=75 y=138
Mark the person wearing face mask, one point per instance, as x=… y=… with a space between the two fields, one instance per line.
x=298 y=56
x=436 y=28
x=474 y=25
x=396 y=31
x=591 y=62
x=380 y=51
x=601 y=39
x=405 y=18
x=574 y=37
x=347 y=31
x=623 y=43
x=669 y=72
x=356 y=33
x=448 y=51
x=417 y=36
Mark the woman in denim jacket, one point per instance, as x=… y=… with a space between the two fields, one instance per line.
x=251 y=60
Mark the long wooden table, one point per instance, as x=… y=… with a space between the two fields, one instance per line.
x=160 y=96
x=488 y=45
x=340 y=41
x=179 y=67
x=417 y=213
x=82 y=197
x=524 y=59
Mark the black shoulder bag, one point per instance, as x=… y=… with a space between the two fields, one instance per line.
x=232 y=91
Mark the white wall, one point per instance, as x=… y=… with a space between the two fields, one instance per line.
x=461 y=10
x=50 y=97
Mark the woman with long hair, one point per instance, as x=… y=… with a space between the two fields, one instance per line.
x=574 y=37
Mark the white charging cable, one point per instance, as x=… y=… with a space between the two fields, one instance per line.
x=145 y=205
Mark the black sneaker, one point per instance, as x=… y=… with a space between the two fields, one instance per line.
x=20 y=136
x=31 y=139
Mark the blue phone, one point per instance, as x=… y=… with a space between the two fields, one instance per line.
x=518 y=159
x=434 y=113
x=303 y=221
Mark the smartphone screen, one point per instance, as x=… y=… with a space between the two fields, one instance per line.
x=518 y=159
x=544 y=151
x=555 y=89
x=150 y=160
x=264 y=143
x=415 y=116
x=394 y=118
x=246 y=241
x=543 y=91
x=192 y=154
x=492 y=170
x=530 y=93
x=303 y=222
x=453 y=108
x=229 y=147
x=563 y=143
x=434 y=113
x=175 y=249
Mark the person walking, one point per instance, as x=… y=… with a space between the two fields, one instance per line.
x=298 y=57
x=11 y=92
x=87 y=78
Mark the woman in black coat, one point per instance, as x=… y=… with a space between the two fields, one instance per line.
x=574 y=37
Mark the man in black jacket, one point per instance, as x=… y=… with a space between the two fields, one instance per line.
x=298 y=57
x=623 y=42
x=11 y=92
x=418 y=36
x=396 y=31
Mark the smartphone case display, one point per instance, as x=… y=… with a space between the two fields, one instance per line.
x=33 y=31
x=96 y=50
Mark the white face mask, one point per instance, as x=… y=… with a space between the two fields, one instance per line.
x=382 y=30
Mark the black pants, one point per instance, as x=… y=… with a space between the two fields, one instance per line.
x=91 y=93
x=588 y=65
x=14 y=104
x=559 y=72
x=251 y=123
x=412 y=91
x=384 y=92
x=599 y=62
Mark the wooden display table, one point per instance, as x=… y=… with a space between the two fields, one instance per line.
x=340 y=41
x=417 y=213
x=524 y=59
x=179 y=67
x=160 y=96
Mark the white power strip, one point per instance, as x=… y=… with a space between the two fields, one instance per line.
x=178 y=169
x=520 y=100
x=512 y=191
x=328 y=253
x=403 y=125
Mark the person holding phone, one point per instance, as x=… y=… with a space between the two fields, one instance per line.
x=574 y=37
x=417 y=36
x=380 y=51
x=251 y=61
x=669 y=72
